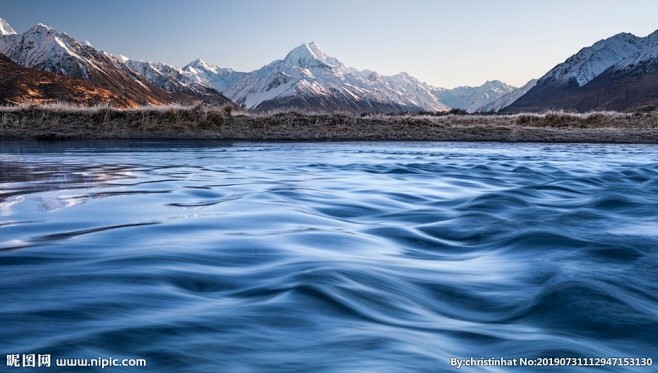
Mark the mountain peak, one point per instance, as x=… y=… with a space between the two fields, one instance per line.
x=122 y=58
x=613 y=41
x=40 y=28
x=405 y=77
x=200 y=64
x=309 y=55
x=623 y=36
x=652 y=37
x=315 y=49
x=5 y=28
x=497 y=84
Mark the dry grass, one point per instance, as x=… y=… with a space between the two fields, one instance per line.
x=60 y=121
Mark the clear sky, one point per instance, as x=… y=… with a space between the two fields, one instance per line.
x=444 y=43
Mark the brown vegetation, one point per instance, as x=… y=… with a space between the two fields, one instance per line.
x=20 y=85
x=59 y=122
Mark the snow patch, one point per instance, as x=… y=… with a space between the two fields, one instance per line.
x=5 y=28
x=590 y=62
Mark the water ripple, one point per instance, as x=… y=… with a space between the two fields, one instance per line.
x=328 y=257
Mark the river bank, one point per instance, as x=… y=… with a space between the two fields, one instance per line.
x=217 y=124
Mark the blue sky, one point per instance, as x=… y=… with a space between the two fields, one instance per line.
x=444 y=43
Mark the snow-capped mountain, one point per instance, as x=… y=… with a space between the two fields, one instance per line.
x=160 y=74
x=589 y=62
x=409 y=88
x=629 y=84
x=307 y=78
x=508 y=98
x=644 y=61
x=43 y=48
x=213 y=76
x=472 y=98
x=5 y=28
x=172 y=79
x=566 y=85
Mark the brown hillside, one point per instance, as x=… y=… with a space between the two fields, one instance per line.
x=20 y=85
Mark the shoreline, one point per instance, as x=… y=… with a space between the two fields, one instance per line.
x=43 y=123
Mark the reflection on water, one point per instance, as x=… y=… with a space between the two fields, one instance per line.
x=22 y=179
x=345 y=257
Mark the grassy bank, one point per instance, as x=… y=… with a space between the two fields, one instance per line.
x=64 y=122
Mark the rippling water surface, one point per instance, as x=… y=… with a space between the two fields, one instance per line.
x=335 y=257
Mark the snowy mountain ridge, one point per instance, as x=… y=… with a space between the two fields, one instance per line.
x=591 y=61
x=5 y=28
x=508 y=98
x=611 y=74
x=643 y=60
x=307 y=72
x=158 y=73
x=213 y=76
x=45 y=49
x=173 y=79
x=472 y=99
x=307 y=76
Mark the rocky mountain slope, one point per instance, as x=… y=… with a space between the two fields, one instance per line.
x=609 y=75
x=21 y=85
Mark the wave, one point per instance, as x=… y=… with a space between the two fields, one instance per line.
x=368 y=257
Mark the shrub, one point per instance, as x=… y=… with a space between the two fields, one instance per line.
x=646 y=109
x=457 y=111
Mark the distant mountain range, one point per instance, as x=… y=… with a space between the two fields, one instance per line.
x=507 y=99
x=306 y=78
x=472 y=99
x=172 y=79
x=618 y=73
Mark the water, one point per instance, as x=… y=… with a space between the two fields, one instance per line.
x=328 y=257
